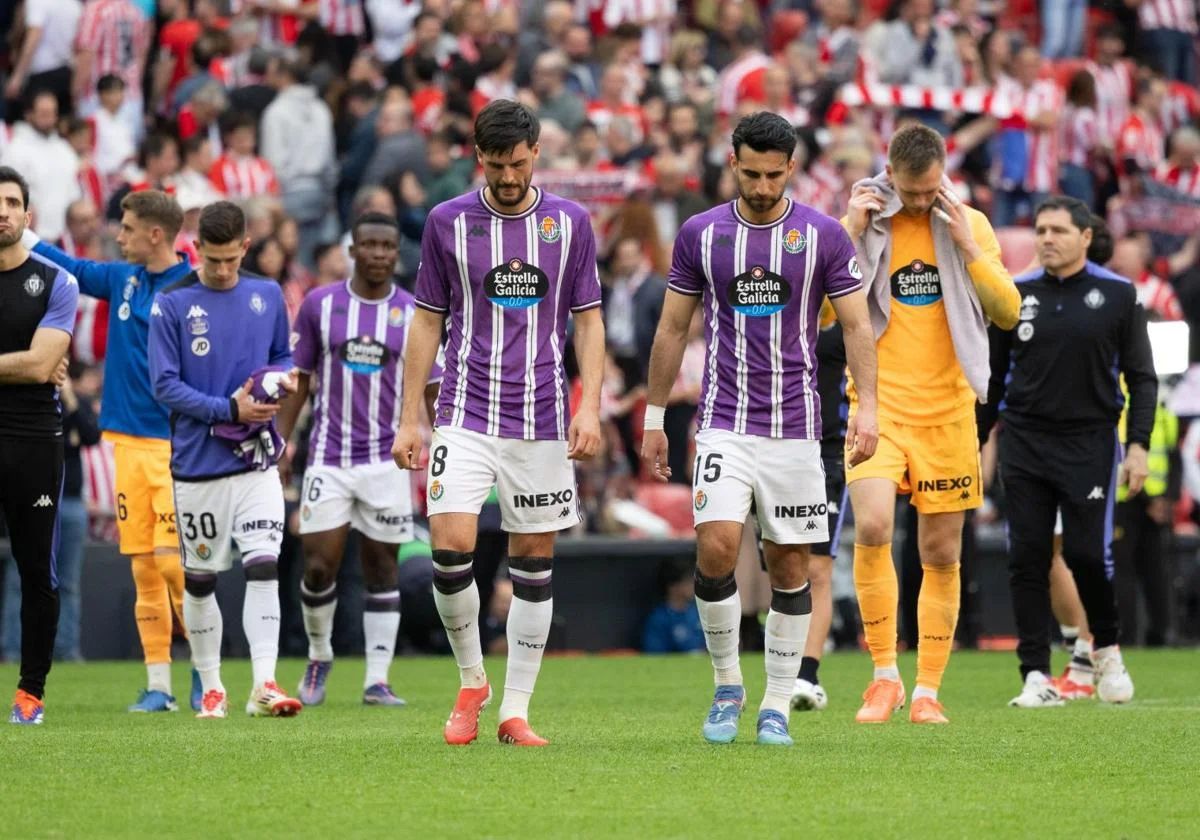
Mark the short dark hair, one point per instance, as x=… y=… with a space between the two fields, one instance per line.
x=1101 y=249
x=154 y=146
x=503 y=125
x=231 y=121
x=37 y=93
x=194 y=144
x=373 y=218
x=222 y=222
x=321 y=249
x=763 y=131
x=8 y=175
x=110 y=81
x=915 y=148
x=157 y=208
x=1081 y=216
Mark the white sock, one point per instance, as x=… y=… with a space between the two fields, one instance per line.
x=260 y=620
x=158 y=677
x=379 y=633
x=890 y=673
x=1081 y=671
x=785 y=638
x=721 y=621
x=459 y=612
x=527 y=631
x=318 y=609
x=205 y=628
x=922 y=691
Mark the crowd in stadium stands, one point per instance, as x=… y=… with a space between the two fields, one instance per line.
x=311 y=112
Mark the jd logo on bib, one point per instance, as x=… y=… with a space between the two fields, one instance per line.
x=516 y=285
x=758 y=293
x=364 y=355
x=917 y=284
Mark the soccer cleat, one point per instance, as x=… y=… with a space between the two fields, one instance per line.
x=1113 y=683
x=268 y=700
x=312 y=686
x=213 y=705
x=153 y=700
x=197 y=691
x=27 y=710
x=381 y=694
x=808 y=696
x=880 y=700
x=721 y=725
x=1039 y=693
x=517 y=732
x=773 y=729
x=462 y=727
x=927 y=710
x=1068 y=689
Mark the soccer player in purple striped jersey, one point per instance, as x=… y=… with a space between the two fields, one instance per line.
x=348 y=346
x=761 y=265
x=506 y=266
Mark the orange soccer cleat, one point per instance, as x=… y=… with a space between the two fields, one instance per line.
x=927 y=710
x=517 y=732
x=463 y=726
x=881 y=698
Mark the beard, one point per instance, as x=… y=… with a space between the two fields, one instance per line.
x=11 y=237
x=761 y=205
x=499 y=198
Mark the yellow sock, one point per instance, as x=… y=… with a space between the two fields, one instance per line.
x=171 y=569
x=937 y=616
x=152 y=610
x=878 y=600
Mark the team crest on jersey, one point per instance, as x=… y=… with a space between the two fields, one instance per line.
x=1029 y=308
x=257 y=306
x=306 y=513
x=1094 y=299
x=516 y=284
x=203 y=551
x=436 y=490
x=34 y=285
x=198 y=325
x=124 y=310
x=701 y=501
x=917 y=284
x=548 y=230
x=200 y=346
x=364 y=355
x=794 y=241
x=758 y=293
x=395 y=316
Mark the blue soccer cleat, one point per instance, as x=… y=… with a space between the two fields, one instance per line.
x=381 y=694
x=722 y=723
x=773 y=729
x=27 y=710
x=312 y=687
x=154 y=701
x=197 y=691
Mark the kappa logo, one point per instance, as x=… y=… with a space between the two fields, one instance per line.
x=1029 y=308
x=156 y=310
x=811 y=526
x=564 y=513
x=477 y=230
x=43 y=502
x=1096 y=494
x=832 y=507
x=723 y=241
x=197 y=312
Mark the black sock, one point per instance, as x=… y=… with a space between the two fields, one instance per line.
x=808 y=669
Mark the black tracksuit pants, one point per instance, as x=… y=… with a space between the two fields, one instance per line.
x=31 y=478
x=1042 y=473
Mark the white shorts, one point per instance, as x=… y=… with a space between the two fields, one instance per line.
x=783 y=478
x=373 y=499
x=243 y=511
x=534 y=478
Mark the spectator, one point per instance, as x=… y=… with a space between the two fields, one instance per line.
x=185 y=22
x=391 y=23
x=239 y=172
x=43 y=61
x=1114 y=80
x=686 y=77
x=837 y=40
x=1169 y=37
x=537 y=41
x=82 y=239
x=297 y=140
x=674 y=202
x=197 y=163
x=48 y=163
x=331 y=262
x=583 y=74
x=399 y=147
x=1181 y=170
x=81 y=138
x=445 y=177
x=554 y=101
x=113 y=37
x=614 y=102
x=200 y=114
x=1131 y=258
x=345 y=25
x=252 y=94
x=1140 y=142
x=742 y=77
x=674 y=625
x=158 y=160
x=1063 y=25
x=1079 y=139
x=1027 y=170
x=114 y=142
x=913 y=49
x=633 y=300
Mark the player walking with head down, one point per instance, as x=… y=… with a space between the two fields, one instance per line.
x=762 y=265
x=507 y=265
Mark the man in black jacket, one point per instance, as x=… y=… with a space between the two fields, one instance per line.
x=1056 y=380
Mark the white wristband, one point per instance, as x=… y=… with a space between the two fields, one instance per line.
x=653 y=421
x=29 y=239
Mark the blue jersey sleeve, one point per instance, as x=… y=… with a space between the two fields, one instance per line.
x=165 y=359
x=64 y=298
x=95 y=278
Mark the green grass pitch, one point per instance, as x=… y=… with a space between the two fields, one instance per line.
x=626 y=759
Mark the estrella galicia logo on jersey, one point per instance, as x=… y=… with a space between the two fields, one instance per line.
x=516 y=284
x=257 y=306
x=34 y=285
x=200 y=346
x=917 y=284
x=548 y=230
x=1094 y=299
x=701 y=501
x=759 y=292
x=1029 y=308
x=364 y=355
x=794 y=241
x=436 y=490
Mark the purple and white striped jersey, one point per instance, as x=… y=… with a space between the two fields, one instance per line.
x=762 y=287
x=355 y=349
x=508 y=284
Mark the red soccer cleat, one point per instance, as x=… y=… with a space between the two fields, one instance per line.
x=516 y=731
x=463 y=726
